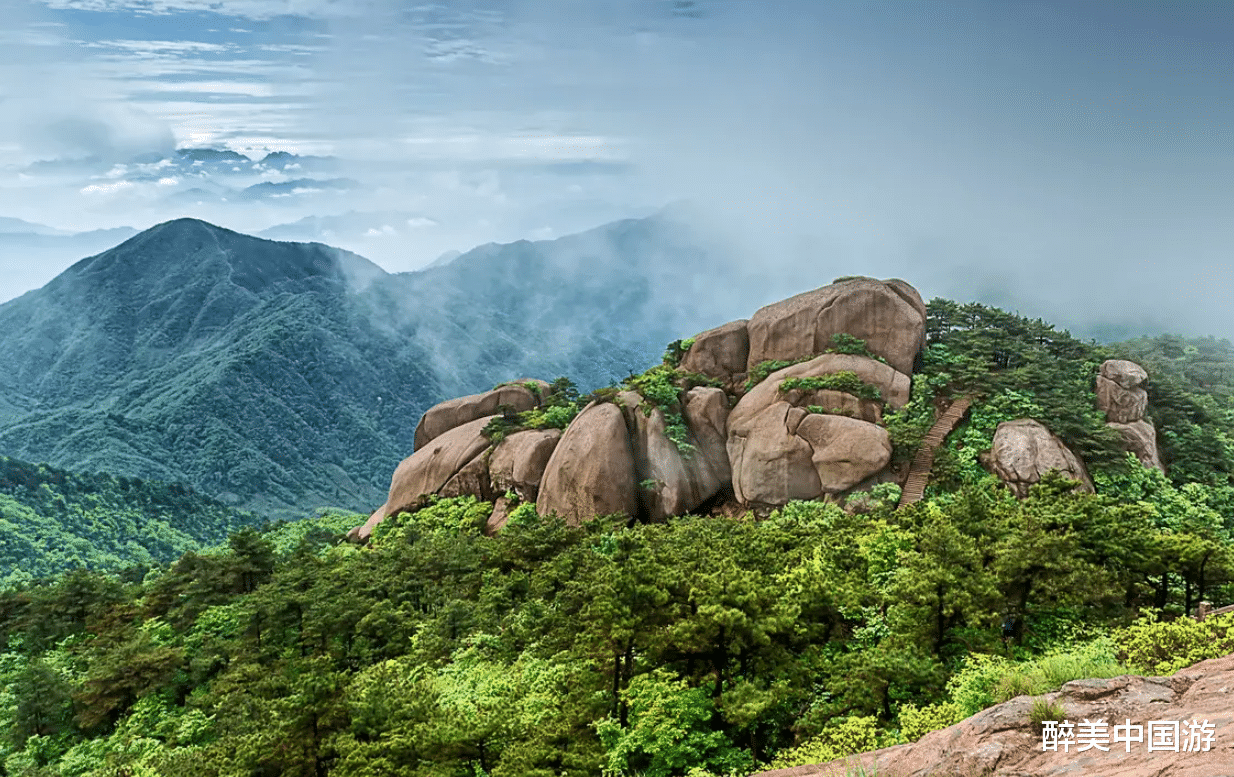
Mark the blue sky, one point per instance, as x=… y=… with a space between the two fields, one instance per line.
x=1068 y=159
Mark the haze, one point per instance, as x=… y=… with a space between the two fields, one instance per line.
x=1067 y=160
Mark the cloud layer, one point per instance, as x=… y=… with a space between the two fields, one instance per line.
x=1068 y=160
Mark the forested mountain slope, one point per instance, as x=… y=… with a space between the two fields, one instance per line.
x=281 y=377
x=52 y=520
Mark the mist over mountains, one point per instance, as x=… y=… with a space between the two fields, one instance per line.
x=281 y=377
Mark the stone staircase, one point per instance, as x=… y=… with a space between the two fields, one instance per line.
x=923 y=462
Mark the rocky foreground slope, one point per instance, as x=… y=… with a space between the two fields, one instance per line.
x=999 y=742
x=787 y=405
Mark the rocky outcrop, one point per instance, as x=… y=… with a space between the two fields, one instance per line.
x=889 y=315
x=706 y=413
x=591 y=471
x=894 y=386
x=721 y=353
x=1140 y=438
x=1000 y=742
x=1024 y=450
x=452 y=413
x=517 y=463
x=669 y=483
x=1120 y=391
x=430 y=469
x=779 y=451
x=1123 y=398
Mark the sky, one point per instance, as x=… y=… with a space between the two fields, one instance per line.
x=1066 y=160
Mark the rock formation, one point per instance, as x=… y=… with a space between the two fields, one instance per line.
x=779 y=451
x=428 y=470
x=889 y=315
x=1120 y=391
x=518 y=462
x=1123 y=398
x=1024 y=450
x=591 y=471
x=999 y=741
x=447 y=415
x=622 y=458
x=670 y=483
x=721 y=353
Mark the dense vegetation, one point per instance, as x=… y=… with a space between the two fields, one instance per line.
x=52 y=521
x=702 y=646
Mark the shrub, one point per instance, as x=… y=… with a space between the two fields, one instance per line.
x=987 y=680
x=845 y=381
x=677 y=350
x=1043 y=710
x=916 y=722
x=842 y=342
x=765 y=368
x=1156 y=648
x=839 y=739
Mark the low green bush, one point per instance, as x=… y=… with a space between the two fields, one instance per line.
x=765 y=368
x=1151 y=646
x=916 y=722
x=839 y=739
x=1043 y=709
x=845 y=381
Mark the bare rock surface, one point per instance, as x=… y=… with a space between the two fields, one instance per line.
x=1120 y=391
x=1140 y=437
x=771 y=465
x=591 y=471
x=844 y=451
x=706 y=412
x=720 y=353
x=889 y=315
x=429 y=469
x=442 y=417
x=999 y=742
x=1024 y=450
x=779 y=451
x=517 y=463
x=669 y=482
x=838 y=402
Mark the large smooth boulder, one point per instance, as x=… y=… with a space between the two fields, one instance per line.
x=1024 y=450
x=889 y=315
x=1140 y=437
x=442 y=417
x=845 y=451
x=517 y=463
x=706 y=411
x=894 y=385
x=591 y=471
x=429 y=469
x=771 y=465
x=1120 y=391
x=670 y=483
x=779 y=451
x=720 y=353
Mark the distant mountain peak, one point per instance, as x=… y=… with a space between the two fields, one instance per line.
x=192 y=251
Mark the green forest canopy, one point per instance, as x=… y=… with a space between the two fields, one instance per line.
x=704 y=646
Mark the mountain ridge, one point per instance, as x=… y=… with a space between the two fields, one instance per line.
x=289 y=376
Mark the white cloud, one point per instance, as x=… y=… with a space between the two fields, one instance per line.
x=107 y=188
x=251 y=9
x=157 y=48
